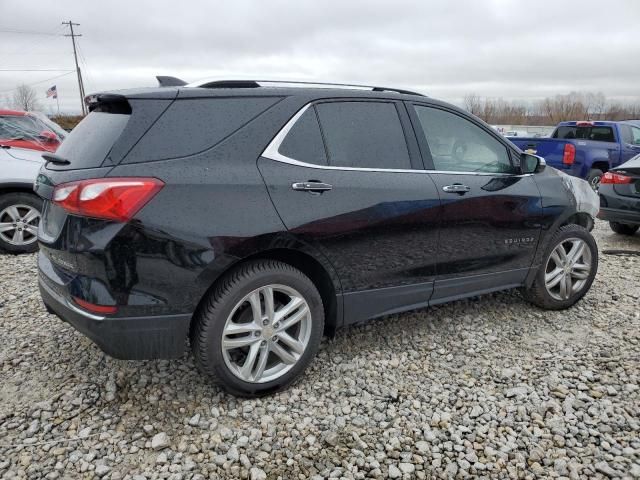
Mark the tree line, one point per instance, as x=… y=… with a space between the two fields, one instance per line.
x=550 y=110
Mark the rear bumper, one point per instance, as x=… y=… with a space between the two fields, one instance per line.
x=620 y=216
x=131 y=338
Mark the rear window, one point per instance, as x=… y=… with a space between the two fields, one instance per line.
x=599 y=134
x=363 y=135
x=89 y=143
x=191 y=126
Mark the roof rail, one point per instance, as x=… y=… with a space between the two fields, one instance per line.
x=287 y=83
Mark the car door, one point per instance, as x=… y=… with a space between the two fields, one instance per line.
x=491 y=214
x=630 y=136
x=341 y=175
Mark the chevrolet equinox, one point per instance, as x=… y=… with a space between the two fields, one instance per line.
x=251 y=217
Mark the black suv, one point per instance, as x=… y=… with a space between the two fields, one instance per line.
x=251 y=217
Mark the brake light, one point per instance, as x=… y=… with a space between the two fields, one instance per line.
x=91 y=307
x=585 y=124
x=116 y=199
x=615 y=178
x=569 y=155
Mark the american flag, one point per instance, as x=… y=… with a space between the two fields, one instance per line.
x=52 y=92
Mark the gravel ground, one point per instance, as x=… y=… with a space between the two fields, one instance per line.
x=489 y=387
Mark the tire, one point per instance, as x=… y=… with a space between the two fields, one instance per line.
x=623 y=228
x=15 y=208
x=594 y=178
x=232 y=306
x=553 y=298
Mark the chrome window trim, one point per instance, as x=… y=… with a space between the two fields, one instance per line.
x=272 y=153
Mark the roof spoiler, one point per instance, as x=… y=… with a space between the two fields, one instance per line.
x=165 y=81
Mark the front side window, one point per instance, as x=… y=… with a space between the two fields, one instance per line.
x=363 y=135
x=630 y=135
x=458 y=145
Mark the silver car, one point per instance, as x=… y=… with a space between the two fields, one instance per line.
x=19 y=207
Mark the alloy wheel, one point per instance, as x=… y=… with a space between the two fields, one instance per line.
x=568 y=268
x=266 y=333
x=19 y=225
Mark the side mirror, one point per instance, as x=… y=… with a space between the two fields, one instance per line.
x=531 y=163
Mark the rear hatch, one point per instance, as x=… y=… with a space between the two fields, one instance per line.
x=91 y=151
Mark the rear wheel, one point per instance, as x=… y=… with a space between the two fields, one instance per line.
x=567 y=271
x=19 y=218
x=623 y=228
x=594 y=178
x=259 y=328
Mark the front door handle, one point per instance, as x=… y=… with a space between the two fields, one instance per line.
x=456 y=188
x=311 y=186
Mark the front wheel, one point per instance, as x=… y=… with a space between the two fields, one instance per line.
x=259 y=328
x=567 y=271
x=19 y=218
x=623 y=228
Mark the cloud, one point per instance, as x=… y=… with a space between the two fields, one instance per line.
x=497 y=48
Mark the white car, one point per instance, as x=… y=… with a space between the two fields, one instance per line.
x=20 y=207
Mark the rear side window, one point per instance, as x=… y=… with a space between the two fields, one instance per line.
x=191 y=126
x=599 y=134
x=89 y=143
x=363 y=135
x=304 y=140
x=630 y=135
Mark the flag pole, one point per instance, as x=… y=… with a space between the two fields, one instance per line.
x=57 y=101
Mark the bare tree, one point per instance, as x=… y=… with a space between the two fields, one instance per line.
x=473 y=103
x=25 y=98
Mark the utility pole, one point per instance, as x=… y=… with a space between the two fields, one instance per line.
x=73 y=36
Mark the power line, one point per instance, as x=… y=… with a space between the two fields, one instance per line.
x=41 y=81
x=73 y=36
x=28 y=32
x=34 y=70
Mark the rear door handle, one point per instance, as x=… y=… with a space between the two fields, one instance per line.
x=456 y=188
x=314 y=187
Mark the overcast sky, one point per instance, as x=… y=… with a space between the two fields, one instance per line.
x=497 y=48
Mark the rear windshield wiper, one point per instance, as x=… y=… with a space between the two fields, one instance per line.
x=57 y=159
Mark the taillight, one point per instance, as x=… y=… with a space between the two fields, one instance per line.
x=91 y=307
x=615 y=178
x=569 y=155
x=116 y=199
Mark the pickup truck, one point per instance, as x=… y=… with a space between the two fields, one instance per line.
x=585 y=149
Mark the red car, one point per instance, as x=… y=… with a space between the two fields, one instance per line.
x=29 y=130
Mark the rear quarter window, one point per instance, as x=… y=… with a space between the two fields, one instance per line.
x=190 y=126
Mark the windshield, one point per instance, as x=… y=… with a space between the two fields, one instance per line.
x=28 y=127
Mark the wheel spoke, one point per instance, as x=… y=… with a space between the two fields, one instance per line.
x=568 y=286
x=12 y=211
x=6 y=227
x=580 y=271
x=291 y=342
x=289 y=308
x=256 y=307
x=576 y=252
x=562 y=254
x=285 y=356
x=555 y=256
x=293 y=319
x=236 y=328
x=267 y=295
x=30 y=216
x=32 y=229
x=250 y=361
x=262 y=362
x=552 y=278
x=18 y=236
x=231 y=343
